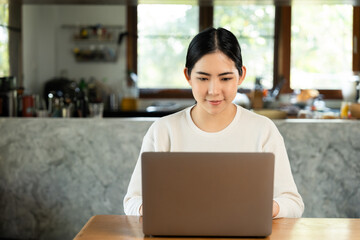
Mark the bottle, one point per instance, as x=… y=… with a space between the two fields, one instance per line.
x=81 y=100
x=56 y=112
x=92 y=91
x=258 y=94
x=20 y=93
x=344 y=110
x=131 y=94
x=28 y=104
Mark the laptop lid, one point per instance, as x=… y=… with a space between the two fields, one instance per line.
x=207 y=194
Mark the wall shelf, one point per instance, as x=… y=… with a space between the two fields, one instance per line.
x=95 y=43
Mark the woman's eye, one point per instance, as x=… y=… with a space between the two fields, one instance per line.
x=226 y=79
x=202 y=79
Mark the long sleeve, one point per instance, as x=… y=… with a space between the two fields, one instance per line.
x=285 y=190
x=154 y=140
x=133 y=198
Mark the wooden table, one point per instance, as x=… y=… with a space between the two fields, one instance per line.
x=111 y=227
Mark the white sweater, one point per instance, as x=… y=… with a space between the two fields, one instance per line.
x=248 y=132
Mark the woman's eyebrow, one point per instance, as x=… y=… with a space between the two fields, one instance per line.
x=208 y=74
x=203 y=73
x=225 y=73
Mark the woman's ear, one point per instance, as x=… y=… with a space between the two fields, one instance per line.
x=187 y=76
x=242 y=77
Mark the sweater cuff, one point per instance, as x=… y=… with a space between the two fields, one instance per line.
x=132 y=206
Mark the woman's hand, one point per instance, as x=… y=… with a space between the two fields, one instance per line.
x=140 y=210
x=276 y=209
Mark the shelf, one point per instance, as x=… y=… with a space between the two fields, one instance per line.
x=97 y=33
x=95 y=43
x=74 y=26
x=96 y=55
x=95 y=40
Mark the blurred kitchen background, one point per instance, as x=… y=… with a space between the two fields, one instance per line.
x=126 y=58
x=72 y=72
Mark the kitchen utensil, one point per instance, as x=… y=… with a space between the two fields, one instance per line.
x=348 y=89
x=96 y=110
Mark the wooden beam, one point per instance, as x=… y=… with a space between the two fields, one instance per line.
x=282 y=48
x=206 y=17
x=15 y=41
x=131 y=25
x=356 y=40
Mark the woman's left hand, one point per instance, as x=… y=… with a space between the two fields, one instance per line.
x=276 y=209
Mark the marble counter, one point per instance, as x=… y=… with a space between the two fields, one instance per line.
x=56 y=173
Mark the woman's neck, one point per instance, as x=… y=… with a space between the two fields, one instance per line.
x=212 y=122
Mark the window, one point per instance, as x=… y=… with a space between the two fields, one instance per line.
x=164 y=33
x=253 y=25
x=321 y=45
x=4 y=39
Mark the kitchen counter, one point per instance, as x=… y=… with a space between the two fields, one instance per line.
x=57 y=173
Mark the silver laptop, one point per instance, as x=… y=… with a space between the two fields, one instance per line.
x=207 y=194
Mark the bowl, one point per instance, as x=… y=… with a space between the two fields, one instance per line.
x=272 y=114
x=355 y=110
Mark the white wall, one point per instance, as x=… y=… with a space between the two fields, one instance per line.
x=47 y=47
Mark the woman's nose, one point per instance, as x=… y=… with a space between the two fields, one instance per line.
x=214 y=87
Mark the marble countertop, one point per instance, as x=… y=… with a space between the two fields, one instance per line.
x=57 y=173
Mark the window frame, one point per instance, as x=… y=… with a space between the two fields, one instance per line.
x=205 y=21
x=334 y=94
x=282 y=50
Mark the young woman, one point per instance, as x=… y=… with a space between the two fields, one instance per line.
x=214 y=71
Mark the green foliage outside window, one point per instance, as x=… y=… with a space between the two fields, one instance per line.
x=253 y=25
x=321 y=45
x=166 y=30
x=164 y=33
x=4 y=39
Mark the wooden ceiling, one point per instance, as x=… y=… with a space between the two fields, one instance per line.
x=194 y=2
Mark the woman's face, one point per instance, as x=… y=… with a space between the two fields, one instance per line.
x=214 y=80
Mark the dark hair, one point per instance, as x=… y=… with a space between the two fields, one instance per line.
x=210 y=40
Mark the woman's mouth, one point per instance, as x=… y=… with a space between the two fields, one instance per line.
x=214 y=102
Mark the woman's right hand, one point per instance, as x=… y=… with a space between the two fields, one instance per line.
x=276 y=209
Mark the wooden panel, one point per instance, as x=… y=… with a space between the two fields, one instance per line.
x=206 y=17
x=331 y=94
x=121 y=2
x=131 y=25
x=356 y=39
x=200 y=2
x=165 y=93
x=15 y=41
x=282 y=50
